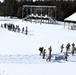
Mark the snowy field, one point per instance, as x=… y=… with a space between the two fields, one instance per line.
x=19 y=53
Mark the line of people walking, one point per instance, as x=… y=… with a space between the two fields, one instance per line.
x=43 y=53
x=15 y=28
x=69 y=47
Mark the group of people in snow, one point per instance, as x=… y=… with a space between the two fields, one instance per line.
x=69 y=47
x=43 y=53
x=15 y=28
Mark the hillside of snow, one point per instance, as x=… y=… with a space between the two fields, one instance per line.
x=19 y=54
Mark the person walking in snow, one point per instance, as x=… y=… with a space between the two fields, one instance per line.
x=49 y=55
x=44 y=53
x=73 y=45
x=73 y=48
x=62 y=47
x=22 y=29
x=4 y=25
x=13 y=27
x=68 y=46
x=26 y=31
x=1 y=25
x=41 y=50
x=66 y=55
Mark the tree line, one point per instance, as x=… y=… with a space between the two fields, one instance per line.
x=14 y=7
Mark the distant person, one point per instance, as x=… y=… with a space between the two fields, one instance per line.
x=73 y=45
x=66 y=55
x=5 y=25
x=73 y=48
x=62 y=47
x=41 y=50
x=26 y=31
x=44 y=53
x=68 y=46
x=49 y=55
x=22 y=29
x=13 y=27
x=1 y=25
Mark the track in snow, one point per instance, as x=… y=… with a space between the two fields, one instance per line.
x=31 y=59
x=21 y=59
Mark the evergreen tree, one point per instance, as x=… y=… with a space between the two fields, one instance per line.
x=19 y=12
x=10 y=7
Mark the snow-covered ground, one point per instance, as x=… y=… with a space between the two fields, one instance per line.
x=19 y=53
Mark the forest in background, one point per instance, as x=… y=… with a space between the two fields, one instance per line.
x=14 y=7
